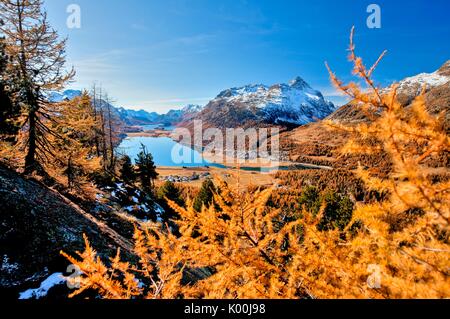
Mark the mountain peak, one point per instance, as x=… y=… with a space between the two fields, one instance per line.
x=295 y=103
x=414 y=84
x=192 y=108
x=445 y=69
x=66 y=95
x=299 y=83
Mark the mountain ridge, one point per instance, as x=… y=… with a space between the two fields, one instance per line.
x=135 y=117
x=294 y=103
x=436 y=85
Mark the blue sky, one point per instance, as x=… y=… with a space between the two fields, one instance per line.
x=164 y=54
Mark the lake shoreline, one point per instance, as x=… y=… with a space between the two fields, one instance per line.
x=224 y=162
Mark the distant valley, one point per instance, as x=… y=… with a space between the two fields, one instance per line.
x=293 y=104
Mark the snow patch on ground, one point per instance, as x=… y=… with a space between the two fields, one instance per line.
x=158 y=209
x=121 y=187
x=52 y=281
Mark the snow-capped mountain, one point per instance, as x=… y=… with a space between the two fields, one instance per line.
x=133 y=117
x=192 y=108
x=437 y=89
x=295 y=103
x=143 y=117
x=67 y=95
x=414 y=84
x=129 y=117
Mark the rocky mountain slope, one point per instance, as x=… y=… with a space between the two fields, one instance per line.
x=295 y=103
x=36 y=223
x=412 y=86
x=66 y=95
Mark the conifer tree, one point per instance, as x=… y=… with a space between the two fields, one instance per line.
x=38 y=56
x=5 y=102
x=337 y=211
x=127 y=173
x=74 y=141
x=146 y=169
x=336 y=208
x=310 y=199
x=169 y=191
x=107 y=134
x=111 y=121
x=205 y=195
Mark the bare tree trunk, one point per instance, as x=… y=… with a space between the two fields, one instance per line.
x=103 y=137
x=96 y=141
x=103 y=131
x=70 y=176
x=111 y=144
x=30 y=159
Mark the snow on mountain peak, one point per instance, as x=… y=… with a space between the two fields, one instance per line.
x=295 y=103
x=67 y=95
x=432 y=79
x=415 y=83
x=299 y=83
x=192 y=108
x=237 y=91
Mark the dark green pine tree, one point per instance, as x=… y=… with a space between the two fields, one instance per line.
x=146 y=169
x=310 y=199
x=127 y=173
x=205 y=195
x=338 y=211
x=169 y=191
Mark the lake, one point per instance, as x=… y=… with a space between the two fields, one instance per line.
x=165 y=151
